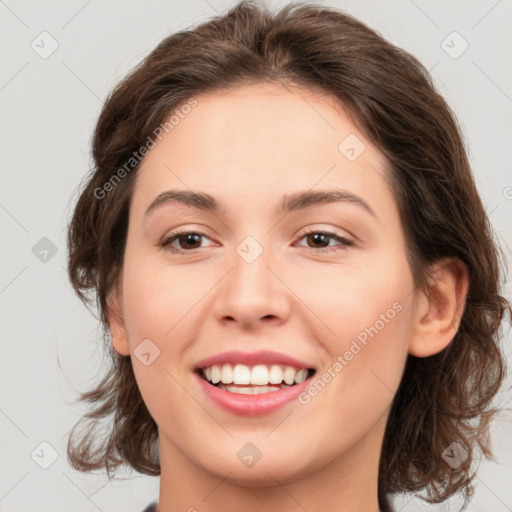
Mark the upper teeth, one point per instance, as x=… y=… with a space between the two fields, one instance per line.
x=260 y=374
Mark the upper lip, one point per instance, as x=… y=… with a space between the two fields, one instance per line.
x=252 y=358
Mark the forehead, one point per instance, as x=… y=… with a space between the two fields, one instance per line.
x=256 y=140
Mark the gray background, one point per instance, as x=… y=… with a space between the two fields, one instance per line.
x=48 y=107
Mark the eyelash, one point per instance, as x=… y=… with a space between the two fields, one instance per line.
x=344 y=242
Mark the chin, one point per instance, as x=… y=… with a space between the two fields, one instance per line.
x=266 y=472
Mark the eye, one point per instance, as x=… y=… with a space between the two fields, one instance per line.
x=323 y=239
x=187 y=241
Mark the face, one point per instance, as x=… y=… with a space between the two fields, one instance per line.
x=269 y=279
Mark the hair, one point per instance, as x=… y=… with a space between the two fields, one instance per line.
x=388 y=93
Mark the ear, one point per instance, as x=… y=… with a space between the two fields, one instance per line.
x=116 y=321
x=439 y=308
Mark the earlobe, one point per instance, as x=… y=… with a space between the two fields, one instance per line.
x=439 y=308
x=117 y=325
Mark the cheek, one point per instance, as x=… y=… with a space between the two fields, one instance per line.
x=158 y=298
x=161 y=304
x=359 y=300
x=366 y=324
x=160 y=390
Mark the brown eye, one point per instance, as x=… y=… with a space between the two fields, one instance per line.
x=191 y=239
x=318 y=238
x=185 y=241
x=321 y=240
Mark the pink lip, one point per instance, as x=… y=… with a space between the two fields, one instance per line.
x=252 y=405
x=251 y=359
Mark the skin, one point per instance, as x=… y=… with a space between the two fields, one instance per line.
x=247 y=147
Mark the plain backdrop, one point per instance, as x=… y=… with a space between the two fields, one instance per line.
x=59 y=59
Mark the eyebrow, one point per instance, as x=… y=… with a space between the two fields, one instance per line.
x=291 y=202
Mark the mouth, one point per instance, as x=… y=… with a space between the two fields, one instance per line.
x=254 y=379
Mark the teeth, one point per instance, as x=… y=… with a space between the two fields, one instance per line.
x=226 y=374
x=301 y=376
x=289 y=375
x=241 y=374
x=215 y=374
x=259 y=375
x=252 y=390
x=276 y=374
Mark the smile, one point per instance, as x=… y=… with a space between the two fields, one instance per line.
x=250 y=380
x=253 y=384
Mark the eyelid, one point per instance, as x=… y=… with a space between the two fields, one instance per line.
x=327 y=230
x=343 y=241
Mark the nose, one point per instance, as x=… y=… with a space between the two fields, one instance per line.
x=252 y=295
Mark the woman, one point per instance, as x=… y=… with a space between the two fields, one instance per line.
x=295 y=271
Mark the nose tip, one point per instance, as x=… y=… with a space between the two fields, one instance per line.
x=251 y=295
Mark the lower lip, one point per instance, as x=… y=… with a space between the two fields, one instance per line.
x=252 y=405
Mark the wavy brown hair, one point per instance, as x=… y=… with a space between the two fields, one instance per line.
x=441 y=399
